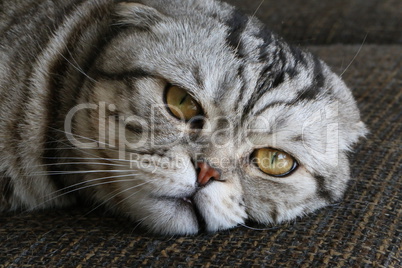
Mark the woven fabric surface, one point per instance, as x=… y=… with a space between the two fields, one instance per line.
x=363 y=230
x=328 y=22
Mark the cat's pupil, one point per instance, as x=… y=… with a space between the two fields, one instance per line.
x=181 y=104
x=273 y=159
x=182 y=100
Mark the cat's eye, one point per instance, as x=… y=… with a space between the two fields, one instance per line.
x=181 y=104
x=274 y=162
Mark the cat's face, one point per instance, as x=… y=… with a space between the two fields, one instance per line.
x=212 y=120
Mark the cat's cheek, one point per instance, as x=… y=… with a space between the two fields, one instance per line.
x=173 y=185
x=277 y=200
x=162 y=177
x=221 y=205
x=301 y=185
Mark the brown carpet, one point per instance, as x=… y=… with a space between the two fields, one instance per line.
x=364 y=230
x=328 y=22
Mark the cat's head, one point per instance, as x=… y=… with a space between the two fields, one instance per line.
x=211 y=120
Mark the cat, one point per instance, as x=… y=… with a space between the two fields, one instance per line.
x=184 y=115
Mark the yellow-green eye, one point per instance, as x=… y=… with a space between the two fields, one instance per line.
x=181 y=104
x=274 y=162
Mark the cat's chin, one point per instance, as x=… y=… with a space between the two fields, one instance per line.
x=187 y=215
x=169 y=215
x=186 y=219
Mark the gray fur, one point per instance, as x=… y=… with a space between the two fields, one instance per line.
x=256 y=91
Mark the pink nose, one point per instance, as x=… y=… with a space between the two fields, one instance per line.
x=206 y=173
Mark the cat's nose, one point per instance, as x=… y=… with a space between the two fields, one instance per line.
x=206 y=173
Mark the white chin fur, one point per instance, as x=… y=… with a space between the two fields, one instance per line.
x=168 y=217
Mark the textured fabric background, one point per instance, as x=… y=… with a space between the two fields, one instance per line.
x=329 y=22
x=364 y=230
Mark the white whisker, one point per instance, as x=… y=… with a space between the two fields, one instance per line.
x=257 y=229
x=81 y=188
x=255 y=13
x=95 y=185
x=79 y=136
x=125 y=190
x=354 y=58
x=93 y=180
x=139 y=222
x=81 y=163
x=258 y=8
x=80 y=172
x=76 y=66
x=87 y=158
x=77 y=149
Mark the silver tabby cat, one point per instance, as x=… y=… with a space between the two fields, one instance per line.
x=185 y=115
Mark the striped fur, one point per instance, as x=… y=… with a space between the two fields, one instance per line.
x=115 y=59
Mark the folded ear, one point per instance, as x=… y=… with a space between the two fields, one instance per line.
x=137 y=14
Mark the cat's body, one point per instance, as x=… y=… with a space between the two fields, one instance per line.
x=105 y=72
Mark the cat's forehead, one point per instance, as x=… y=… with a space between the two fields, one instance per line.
x=225 y=59
x=196 y=37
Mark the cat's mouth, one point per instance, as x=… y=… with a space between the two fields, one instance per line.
x=189 y=201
